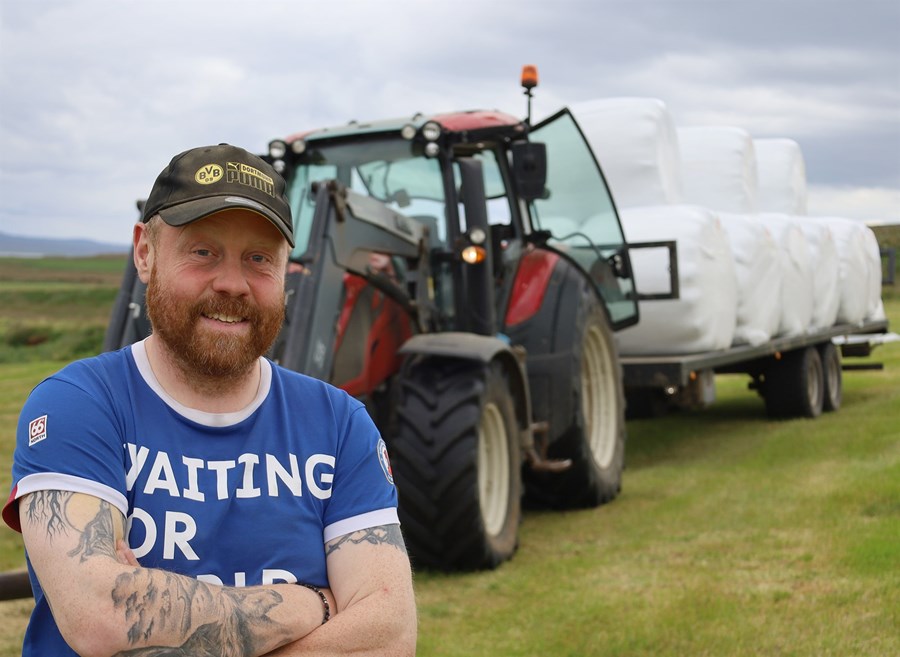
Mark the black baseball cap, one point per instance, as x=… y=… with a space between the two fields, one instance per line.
x=205 y=180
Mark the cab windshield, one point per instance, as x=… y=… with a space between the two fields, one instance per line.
x=388 y=170
x=391 y=170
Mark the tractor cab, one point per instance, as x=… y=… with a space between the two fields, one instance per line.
x=488 y=187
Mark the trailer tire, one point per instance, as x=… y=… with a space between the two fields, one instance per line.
x=832 y=377
x=794 y=386
x=457 y=464
x=595 y=438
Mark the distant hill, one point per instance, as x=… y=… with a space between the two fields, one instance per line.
x=32 y=247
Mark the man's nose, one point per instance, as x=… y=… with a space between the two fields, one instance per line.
x=230 y=278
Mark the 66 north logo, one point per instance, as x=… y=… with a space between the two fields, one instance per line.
x=37 y=430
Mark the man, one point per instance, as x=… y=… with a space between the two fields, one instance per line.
x=185 y=495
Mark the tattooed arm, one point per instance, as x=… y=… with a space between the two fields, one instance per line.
x=370 y=577
x=105 y=605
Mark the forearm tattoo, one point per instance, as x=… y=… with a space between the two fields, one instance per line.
x=382 y=535
x=160 y=602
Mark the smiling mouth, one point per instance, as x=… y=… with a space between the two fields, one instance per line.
x=228 y=319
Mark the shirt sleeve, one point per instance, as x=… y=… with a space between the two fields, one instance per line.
x=68 y=438
x=364 y=493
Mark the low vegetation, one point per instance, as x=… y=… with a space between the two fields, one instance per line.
x=733 y=535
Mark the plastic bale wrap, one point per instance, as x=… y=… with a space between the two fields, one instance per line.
x=853 y=268
x=718 y=168
x=781 y=176
x=875 y=305
x=705 y=315
x=796 y=273
x=757 y=264
x=636 y=143
x=826 y=272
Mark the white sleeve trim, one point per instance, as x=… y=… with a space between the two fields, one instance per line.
x=54 y=481
x=363 y=521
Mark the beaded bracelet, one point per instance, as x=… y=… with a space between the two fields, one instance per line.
x=318 y=591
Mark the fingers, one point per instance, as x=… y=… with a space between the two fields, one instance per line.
x=124 y=555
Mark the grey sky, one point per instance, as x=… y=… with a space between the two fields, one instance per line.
x=97 y=95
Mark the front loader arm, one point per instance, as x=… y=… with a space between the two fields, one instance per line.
x=350 y=233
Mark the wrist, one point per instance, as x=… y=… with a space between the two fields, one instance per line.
x=326 y=606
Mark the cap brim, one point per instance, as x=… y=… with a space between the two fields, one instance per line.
x=185 y=213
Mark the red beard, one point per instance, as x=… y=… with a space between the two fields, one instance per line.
x=205 y=352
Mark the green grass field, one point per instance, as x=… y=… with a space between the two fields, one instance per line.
x=734 y=535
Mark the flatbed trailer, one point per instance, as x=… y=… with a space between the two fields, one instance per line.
x=797 y=376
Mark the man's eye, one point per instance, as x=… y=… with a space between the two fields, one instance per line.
x=259 y=259
x=203 y=252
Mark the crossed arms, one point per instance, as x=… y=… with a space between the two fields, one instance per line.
x=106 y=604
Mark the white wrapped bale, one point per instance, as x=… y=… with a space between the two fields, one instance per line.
x=797 y=287
x=705 y=315
x=718 y=168
x=826 y=272
x=875 y=306
x=853 y=265
x=635 y=142
x=758 y=267
x=781 y=176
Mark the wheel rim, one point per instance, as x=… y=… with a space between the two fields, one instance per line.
x=598 y=398
x=814 y=383
x=493 y=469
x=833 y=377
x=832 y=368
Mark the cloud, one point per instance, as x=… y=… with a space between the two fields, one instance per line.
x=877 y=204
x=99 y=94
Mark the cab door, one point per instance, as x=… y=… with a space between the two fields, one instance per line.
x=578 y=211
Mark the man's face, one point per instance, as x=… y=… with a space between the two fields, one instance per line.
x=215 y=293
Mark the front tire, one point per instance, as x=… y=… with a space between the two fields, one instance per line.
x=456 y=461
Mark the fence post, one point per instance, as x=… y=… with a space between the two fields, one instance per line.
x=15 y=585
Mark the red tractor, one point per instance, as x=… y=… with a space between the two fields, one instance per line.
x=463 y=275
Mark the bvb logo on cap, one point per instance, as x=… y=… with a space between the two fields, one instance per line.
x=208 y=174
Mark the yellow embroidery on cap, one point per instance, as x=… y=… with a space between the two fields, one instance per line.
x=208 y=174
x=251 y=176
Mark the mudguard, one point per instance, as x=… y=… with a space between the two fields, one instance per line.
x=546 y=328
x=483 y=349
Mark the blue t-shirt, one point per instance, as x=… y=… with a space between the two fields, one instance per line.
x=238 y=499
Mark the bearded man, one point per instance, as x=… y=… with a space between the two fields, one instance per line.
x=187 y=496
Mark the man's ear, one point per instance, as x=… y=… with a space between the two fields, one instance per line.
x=143 y=251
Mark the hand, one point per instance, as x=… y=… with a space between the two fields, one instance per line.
x=124 y=555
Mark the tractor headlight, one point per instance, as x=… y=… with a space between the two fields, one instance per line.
x=408 y=131
x=431 y=131
x=277 y=149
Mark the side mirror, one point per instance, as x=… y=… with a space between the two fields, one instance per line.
x=529 y=160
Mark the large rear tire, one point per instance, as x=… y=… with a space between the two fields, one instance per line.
x=595 y=439
x=794 y=386
x=456 y=461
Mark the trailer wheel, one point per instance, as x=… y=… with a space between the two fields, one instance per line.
x=456 y=461
x=794 y=386
x=595 y=439
x=831 y=374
